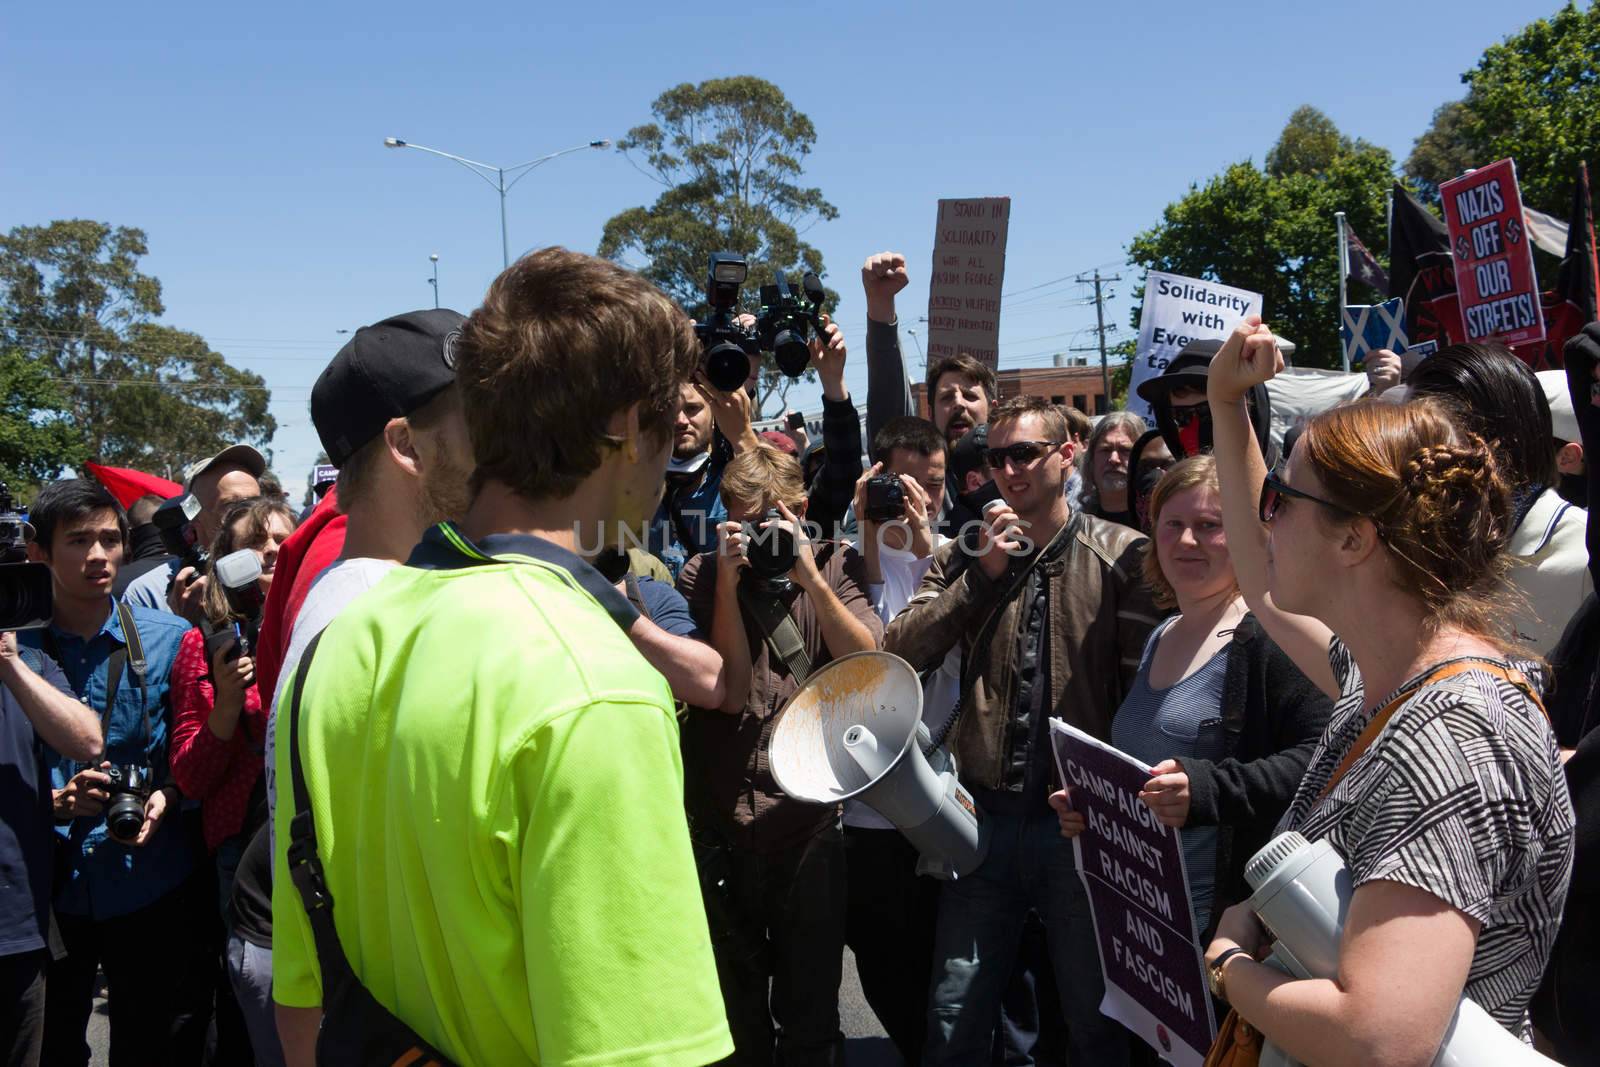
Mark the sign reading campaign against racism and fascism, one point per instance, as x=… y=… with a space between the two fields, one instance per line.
x=1132 y=866
x=969 y=265
x=1498 y=290
x=1178 y=310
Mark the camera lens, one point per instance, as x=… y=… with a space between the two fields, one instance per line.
x=727 y=366
x=790 y=352
x=124 y=816
x=773 y=551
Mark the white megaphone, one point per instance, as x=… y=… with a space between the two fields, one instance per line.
x=854 y=731
x=1301 y=895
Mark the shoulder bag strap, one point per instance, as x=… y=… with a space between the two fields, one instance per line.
x=1438 y=674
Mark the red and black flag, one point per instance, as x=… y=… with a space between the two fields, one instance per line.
x=1422 y=272
x=1575 y=301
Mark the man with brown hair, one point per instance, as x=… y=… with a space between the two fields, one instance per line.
x=773 y=866
x=484 y=824
x=1052 y=618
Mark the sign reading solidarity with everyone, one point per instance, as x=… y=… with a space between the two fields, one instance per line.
x=969 y=265
x=1178 y=310
x=1498 y=290
x=1132 y=866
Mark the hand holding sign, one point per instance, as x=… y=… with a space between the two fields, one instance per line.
x=1072 y=823
x=1167 y=793
x=1249 y=357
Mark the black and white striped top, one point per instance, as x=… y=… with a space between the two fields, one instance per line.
x=1462 y=795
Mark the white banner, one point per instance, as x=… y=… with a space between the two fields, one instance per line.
x=1178 y=310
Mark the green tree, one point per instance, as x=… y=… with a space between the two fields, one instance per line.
x=1275 y=233
x=730 y=155
x=140 y=393
x=37 y=437
x=1535 y=97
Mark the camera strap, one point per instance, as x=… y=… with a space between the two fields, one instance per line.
x=779 y=631
x=129 y=654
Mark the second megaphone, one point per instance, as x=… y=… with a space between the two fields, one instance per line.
x=854 y=731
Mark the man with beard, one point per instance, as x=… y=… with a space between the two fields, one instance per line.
x=1105 y=467
x=685 y=523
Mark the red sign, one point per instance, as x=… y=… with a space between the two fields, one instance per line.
x=1498 y=290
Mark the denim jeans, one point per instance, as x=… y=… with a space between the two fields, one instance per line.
x=979 y=934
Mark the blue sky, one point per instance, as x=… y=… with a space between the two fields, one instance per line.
x=247 y=140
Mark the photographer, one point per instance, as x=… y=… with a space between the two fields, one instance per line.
x=37 y=708
x=711 y=426
x=772 y=867
x=231 y=475
x=131 y=887
x=536 y=900
x=1052 y=617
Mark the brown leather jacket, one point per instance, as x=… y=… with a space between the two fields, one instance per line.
x=1101 y=614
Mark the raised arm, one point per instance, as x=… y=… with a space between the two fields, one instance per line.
x=888 y=390
x=1250 y=357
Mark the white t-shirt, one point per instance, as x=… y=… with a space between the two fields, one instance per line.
x=331 y=592
x=902 y=574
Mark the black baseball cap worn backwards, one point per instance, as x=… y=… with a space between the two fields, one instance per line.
x=386 y=371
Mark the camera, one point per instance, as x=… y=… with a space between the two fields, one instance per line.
x=175 y=522
x=787 y=320
x=886 y=498
x=772 y=552
x=25 y=589
x=726 y=347
x=239 y=575
x=129 y=788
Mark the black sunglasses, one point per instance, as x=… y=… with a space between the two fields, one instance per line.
x=1187 y=413
x=1021 y=454
x=1275 y=490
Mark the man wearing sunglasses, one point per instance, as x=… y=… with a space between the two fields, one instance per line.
x=1052 y=618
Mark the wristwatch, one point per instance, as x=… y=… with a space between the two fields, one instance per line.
x=1214 y=970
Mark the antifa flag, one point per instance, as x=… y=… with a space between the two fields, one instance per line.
x=129 y=485
x=1421 y=271
x=1363 y=265
x=1573 y=302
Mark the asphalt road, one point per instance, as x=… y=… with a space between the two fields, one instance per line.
x=865 y=1042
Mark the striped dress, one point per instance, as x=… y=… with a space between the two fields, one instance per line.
x=1462 y=796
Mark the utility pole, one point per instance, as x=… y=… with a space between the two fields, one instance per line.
x=1100 y=328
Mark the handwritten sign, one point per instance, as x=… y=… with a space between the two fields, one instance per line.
x=1132 y=866
x=969 y=265
x=1498 y=290
x=1178 y=310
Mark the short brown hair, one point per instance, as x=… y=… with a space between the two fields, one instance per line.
x=359 y=474
x=1050 y=415
x=764 y=476
x=964 y=365
x=1192 y=473
x=1078 y=424
x=562 y=343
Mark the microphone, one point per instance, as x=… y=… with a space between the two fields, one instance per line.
x=1301 y=894
x=239 y=574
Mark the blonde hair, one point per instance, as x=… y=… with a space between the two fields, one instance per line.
x=764 y=476
x=1196 y=472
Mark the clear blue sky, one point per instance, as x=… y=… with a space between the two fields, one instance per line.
x=247 y=140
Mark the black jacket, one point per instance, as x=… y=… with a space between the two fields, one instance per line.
x=1272 y=717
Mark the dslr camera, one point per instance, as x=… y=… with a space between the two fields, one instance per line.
x=788 y=319
x=175 y=522
x=726 y=347
x=25 y=589
x=886 y=498
x=129 y=788
x=772 y=553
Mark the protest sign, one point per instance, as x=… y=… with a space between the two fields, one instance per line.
x=1132 y=866
x=969 y=265
x=1498 y=290
x=1365 y=328
x=1178 y=310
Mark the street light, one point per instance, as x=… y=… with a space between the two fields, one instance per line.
x=498 y=181
x=433 y=257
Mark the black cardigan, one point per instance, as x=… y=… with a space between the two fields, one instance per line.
x=1272 y=718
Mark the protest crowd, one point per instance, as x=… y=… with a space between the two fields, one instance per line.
x=478 y=760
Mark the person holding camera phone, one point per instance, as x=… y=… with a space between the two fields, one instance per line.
x=132 y=879
x=776 y=606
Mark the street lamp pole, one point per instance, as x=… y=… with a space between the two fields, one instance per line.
x=434 y=259
x=498 y=181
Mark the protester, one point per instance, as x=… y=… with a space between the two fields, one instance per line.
x=891 y=911
x=772 y=867
x=1079 y=427
x=231 y=475
x=537 y=899
x=1045 y=578
x=1223 y=717
x=830 y=490
x=1105 y=467
x=123 y=905
x=883 y=276
x=685 y=522
x=146 y=550
x=37 y=708
x=1381 y=542
x=1571 y=471
x=1498 y=398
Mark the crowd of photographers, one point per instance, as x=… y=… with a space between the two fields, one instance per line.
x=519 y=671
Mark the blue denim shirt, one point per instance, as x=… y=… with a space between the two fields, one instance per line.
x=699 y=511
x=108 y=879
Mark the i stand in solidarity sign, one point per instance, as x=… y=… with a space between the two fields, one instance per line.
x=1132 y=866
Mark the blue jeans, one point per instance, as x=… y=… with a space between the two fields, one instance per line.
x=978 y=935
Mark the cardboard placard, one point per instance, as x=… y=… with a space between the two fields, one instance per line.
x=969 y=267
x=1495 y=280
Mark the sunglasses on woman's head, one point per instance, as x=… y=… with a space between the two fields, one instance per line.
x=1274 y=491
x=1021 y=453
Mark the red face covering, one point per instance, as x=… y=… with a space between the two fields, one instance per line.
x=1189 y=437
